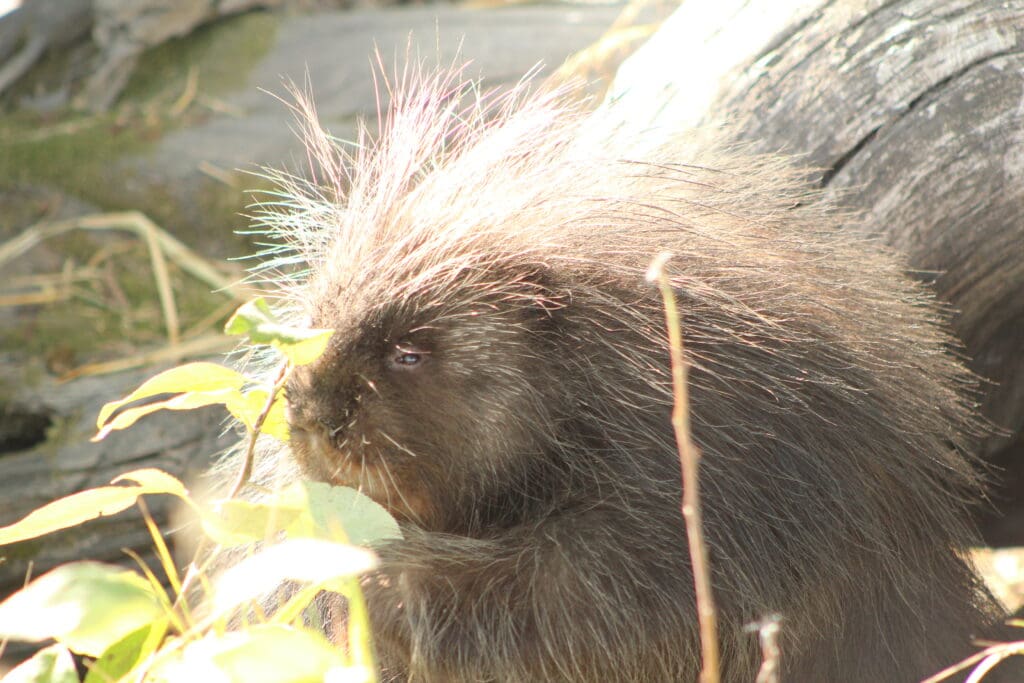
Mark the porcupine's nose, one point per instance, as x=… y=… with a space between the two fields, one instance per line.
x=317 y=406
x=312 y=440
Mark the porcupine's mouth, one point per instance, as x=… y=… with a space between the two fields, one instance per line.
x=322 y=461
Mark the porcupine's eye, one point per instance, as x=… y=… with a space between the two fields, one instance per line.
x=407 y=357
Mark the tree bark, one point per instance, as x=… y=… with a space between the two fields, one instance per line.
x=911 y=110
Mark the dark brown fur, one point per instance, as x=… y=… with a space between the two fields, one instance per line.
x=525 y=443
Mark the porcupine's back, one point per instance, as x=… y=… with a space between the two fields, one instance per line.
x=504 y=245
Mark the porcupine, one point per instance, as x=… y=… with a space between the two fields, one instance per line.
x=499 y=379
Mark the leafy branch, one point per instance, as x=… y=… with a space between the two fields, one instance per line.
x=131 y=628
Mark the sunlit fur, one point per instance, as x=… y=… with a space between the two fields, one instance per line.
x=529 y=455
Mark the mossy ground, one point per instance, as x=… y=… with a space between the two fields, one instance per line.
x=79 y=155
x=109 y=314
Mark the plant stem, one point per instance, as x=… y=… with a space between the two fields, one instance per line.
x=689 y=458
x=254 y=433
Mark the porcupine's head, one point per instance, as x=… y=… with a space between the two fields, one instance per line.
x=443 y=255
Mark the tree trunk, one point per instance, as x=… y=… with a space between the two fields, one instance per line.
x=912 y=112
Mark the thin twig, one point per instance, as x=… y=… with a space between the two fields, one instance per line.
x=689 y=458
x=194 y=572
x=768 y=634
x=254 y=433
x=986 y=660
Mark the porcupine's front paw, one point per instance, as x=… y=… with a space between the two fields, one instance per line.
x=389 y=630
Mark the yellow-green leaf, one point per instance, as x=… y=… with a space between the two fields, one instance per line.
x=191 y=377
x=87 y=606
x=338 y=513
x=249 y=317
x=305 y=350
x=70 y=511
x=247 y=408
x=267 y=653
x=186 y=401
x=276 y=422
x=257 y=321
x=127 y=653
x=153 y=480
x=303 y=509
x=50 y=665
x=235 y=522
x=87 y=505
x=305 y=560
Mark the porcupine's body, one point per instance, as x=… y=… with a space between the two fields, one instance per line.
x=499 y=379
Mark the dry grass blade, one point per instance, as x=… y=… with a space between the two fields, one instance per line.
x=188 y=95
x=210 y=343
x=163 y=280
x=132 y=221
x=161 y=245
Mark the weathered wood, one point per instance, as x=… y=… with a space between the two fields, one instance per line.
x=124 y=30
x=65 y=461
x=333 y=55
x=28 y=31
x=911 y=109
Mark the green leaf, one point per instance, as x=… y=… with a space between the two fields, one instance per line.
x=360 y=639
x=236 y=522
x=300 y=345
x=248 y=319
x=247 y=408
x=187 y=401
x=127 y=653
x=339 y=513
x=88 y=505
x=191 y=377
x=50 y=665
x=276 y=422
x=70 y=511
x=302 y=510
x=306 y=560
x=153 y=480
x=87 y=606
x=268 y=653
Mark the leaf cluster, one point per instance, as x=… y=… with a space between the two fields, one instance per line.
x=129 y=625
